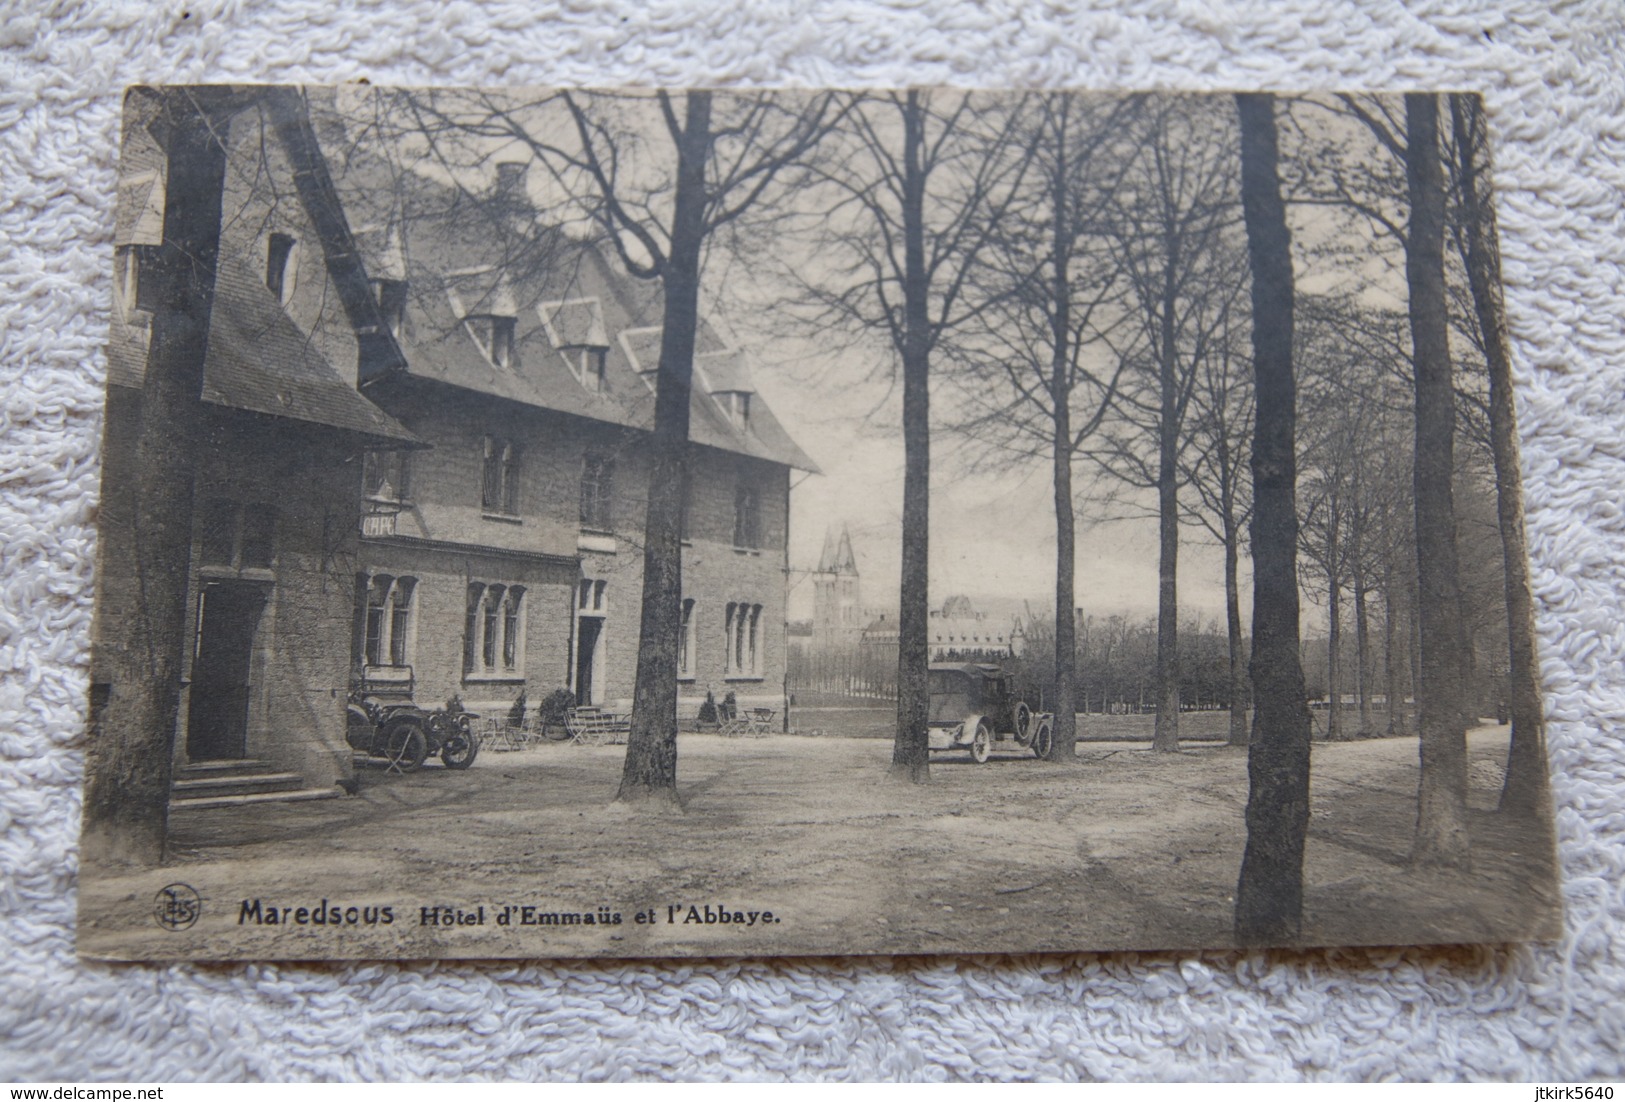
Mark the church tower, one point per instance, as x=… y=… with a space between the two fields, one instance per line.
x=837 y=609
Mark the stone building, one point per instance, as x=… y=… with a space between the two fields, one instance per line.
x=507 y=558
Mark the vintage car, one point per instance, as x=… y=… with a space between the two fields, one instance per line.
x=973 y=707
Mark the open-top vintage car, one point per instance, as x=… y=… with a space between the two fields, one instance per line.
x=973 y=706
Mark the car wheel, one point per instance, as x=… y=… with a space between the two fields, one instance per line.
x=405 y=747
x=981 y=743
x=460 y=749
x=1043 y=737
x=1023 y=717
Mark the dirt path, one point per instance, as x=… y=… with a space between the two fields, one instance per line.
x=1128 y=850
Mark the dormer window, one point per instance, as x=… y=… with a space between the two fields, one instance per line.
x=586 y=364
x=575 y=329
x=494 y=334
x=736 y=404
x=281 y=266
x=391 y=294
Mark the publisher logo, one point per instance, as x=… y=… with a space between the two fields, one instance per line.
x=176 y=906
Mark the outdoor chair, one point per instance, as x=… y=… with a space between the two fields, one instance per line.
x=595 y=727
x=752 y=723
x=499 y=735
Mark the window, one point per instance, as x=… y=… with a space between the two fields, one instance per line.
x=736 y=404
x=747 y=518
x=391 y=303
x=281 y=266
x=742 y=657
x=500 y=480
x=236 y=535
x=494 y=631
x=597 y=492
x=590 y=597
x=387 y=476
x=387 y=639
x=138 y=289
x=686 y=642
x=494 y=334
x=586 y=363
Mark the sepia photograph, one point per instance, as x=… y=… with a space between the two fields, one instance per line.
x=713 y=523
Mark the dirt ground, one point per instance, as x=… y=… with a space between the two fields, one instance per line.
x=808 y=848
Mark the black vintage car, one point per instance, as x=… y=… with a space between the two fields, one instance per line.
x=973 y=707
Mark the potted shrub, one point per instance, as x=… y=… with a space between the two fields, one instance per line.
x=552 y=711
x=708 y=711
x=516 y=714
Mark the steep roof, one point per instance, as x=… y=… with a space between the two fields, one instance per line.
x=259 y=361
x=460 y=261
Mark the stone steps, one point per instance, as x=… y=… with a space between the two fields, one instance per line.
x=234 y=783
x=199 y=803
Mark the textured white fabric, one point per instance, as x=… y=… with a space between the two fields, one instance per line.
x=1555 y=88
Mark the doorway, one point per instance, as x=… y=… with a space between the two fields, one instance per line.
x=588 y=631
x=228 y=623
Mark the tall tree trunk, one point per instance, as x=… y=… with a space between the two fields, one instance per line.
x=1334 y=634
x=1413 y=639
x=1390 y=659
x=1441 y=822
x=1362 y=649
x=1525 y=789
x=1165 y=734
x=1064 y=744
x=132 y=746
x=650 y=769
x=911 y=757
x=1239 y=733
x=1269 y=893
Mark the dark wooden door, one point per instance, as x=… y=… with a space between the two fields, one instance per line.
x=217 y=722
x=587 y=631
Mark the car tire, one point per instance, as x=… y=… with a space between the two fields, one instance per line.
x=981 y=743
x=1023 y=717
x=1043 y=737
x=460 y=749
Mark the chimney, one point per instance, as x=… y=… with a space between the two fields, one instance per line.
x=511 y=177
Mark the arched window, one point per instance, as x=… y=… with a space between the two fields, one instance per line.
x=387 y=639
x=494 y=632
x=471 y=627
x=281 y=266
x=742 y=652
x=400 y=621
x=511 y=626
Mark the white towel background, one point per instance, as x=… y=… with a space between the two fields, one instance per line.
x=1555 y=85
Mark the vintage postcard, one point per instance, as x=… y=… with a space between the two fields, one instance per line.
x=546 y=523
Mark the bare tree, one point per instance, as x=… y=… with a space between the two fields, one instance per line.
x=1441 y=825
x=921 y=185
x=1215 y=468
x=1172 y=228
x=658 y=176
x=1043 y=373
x=1524 y=790
x=1269 y=892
